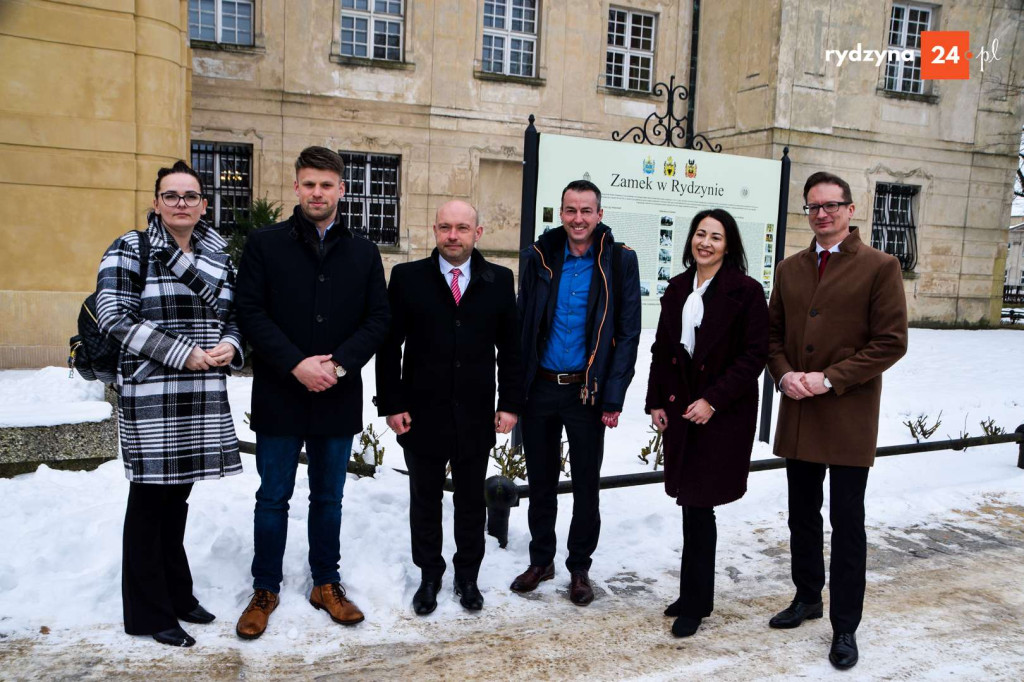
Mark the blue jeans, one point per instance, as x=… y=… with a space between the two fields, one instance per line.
x=277 y=459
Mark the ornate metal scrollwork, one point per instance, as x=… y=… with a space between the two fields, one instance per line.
x=668 y=130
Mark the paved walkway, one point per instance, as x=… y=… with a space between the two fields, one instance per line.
x=944 y=602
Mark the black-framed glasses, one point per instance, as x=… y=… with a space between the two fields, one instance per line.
x=173 y=199
x=829 y=206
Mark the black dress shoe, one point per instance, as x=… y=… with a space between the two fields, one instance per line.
x=795 y=614
x=198 y=615
x=174 y=637
x=469 y=594
x=581 y=592
x=843 y=653
x=685 y=626
x=674 y=609
x=425 y=599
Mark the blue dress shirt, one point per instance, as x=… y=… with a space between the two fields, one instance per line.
x=566 y=349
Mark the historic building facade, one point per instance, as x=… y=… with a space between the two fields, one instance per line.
x=429 y=99
x=930 y=162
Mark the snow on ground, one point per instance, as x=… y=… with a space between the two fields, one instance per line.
x=60 y=564
x=47 y=397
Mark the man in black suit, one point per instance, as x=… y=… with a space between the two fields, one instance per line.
x=452 y=310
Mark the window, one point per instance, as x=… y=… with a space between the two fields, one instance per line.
x=510 y=37
x=372 y=29
x=221 y=21
x=226 y=171
x=370 y=204
x=629 y=60
x=905 y=26
x=892 y=228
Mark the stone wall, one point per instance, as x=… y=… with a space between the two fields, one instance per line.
x=93 y=100
x=64 y=446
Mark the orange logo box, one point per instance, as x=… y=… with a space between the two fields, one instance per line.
x=945 y=55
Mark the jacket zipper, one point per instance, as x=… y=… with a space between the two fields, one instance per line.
x=585 y=391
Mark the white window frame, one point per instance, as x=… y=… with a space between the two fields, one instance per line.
x=218 y=21
x=500 y=26
x=900 y=76
x=370 y=13
x=629 y=53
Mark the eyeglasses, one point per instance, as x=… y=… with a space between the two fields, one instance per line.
x=830 y=207
x=173 y=199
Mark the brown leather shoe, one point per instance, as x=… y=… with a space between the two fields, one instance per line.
x=253 y=621
x=331 y=598
x=581 y=592
x=528 y=580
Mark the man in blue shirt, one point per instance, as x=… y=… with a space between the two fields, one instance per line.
x=579 y=303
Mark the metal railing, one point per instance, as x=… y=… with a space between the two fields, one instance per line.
x=646 y=477
x=502 y=494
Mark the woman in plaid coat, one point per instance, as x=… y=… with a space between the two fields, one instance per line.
x=175 y=322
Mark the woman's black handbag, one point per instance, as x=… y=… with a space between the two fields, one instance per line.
x=94 y=354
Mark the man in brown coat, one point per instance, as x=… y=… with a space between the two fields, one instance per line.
x=838 y=319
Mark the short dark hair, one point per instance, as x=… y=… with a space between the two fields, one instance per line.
x=826 y=178
x=734 y=253
x=178 y=167
x=320 y=158
x=583 y=186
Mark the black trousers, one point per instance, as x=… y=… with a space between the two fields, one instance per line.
x=426 y=492
x=156 y=583
x=849 y=541
x=551 y=407
x=697 y=572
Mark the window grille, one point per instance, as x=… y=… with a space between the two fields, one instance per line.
x=226 y=172
x=370 y=206
x=892 y=227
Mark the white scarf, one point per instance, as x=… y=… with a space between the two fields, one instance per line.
x=693 y=313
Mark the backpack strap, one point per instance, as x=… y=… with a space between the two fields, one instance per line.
x=144 y=248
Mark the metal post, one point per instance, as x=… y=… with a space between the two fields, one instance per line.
x=1020 y=445
x=528 y=207
x=767 y=385
x=691 y=104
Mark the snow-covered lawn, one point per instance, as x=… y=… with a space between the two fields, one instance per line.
x=60 y=535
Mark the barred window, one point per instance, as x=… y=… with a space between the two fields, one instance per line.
x=226 y=172
x=221 y=21
x=905 y=25
x=372 y=29
x=629 y=59
x=892 y=227
x=510 y=37
x=370 y=205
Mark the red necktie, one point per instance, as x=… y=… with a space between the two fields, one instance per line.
x=822 y=262
x=456 y=292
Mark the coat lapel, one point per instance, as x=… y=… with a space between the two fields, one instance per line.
x=480 y=272
x=837 y=263
x=719 y=310
x=167 y=252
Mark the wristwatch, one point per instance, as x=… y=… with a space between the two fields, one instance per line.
x=339 y=371
x=828 y=384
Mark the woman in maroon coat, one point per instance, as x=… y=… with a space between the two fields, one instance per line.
x=710 y=348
